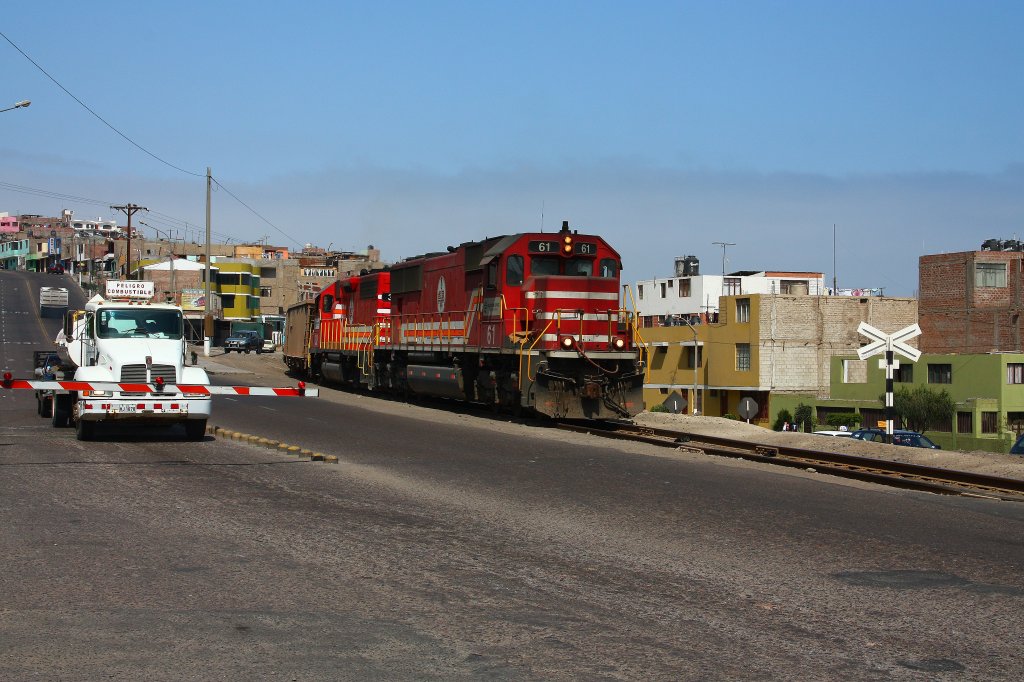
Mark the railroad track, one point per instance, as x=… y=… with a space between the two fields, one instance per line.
x=899 y=474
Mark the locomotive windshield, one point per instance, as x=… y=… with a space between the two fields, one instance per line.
x=579 y=267
x=572 y=267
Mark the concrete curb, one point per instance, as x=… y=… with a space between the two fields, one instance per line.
x=270 y=444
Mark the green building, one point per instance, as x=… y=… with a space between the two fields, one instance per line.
x=988 y=389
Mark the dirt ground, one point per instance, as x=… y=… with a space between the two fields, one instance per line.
x=979 y=461
x=269 y=368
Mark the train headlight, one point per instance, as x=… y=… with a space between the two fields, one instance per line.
x=567 y=342
x=95 y=394
x=567 y=245
x=618 y=343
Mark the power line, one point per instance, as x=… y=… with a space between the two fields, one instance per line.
x=140 y=147
x=100 y=118
x=50 y=194
x=255 y=213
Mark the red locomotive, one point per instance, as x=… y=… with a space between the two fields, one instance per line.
x=527 y=321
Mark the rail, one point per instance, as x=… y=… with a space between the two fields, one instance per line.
x=898 y=474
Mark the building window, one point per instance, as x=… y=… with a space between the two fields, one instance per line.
x=1015 y=372
x=684 y=288
x=690 y=355
x=944 y=425
x=268 y=273
x=990 y=274
x=640 y=291
x=904 y=374
x=731 y=286
x=266 y=291
x=855 y=371
x=965 y=422
x=743 y=357
x=743 y=310
x=227 y=301
x=940 y=374
x=664 y=286
x=989 y=422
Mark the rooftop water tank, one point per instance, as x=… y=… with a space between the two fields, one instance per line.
x=687 y=266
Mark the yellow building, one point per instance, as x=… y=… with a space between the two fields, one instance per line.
x=762 y=345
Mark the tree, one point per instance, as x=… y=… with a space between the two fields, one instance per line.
x=804 y=417
x=921 y=408
x=784 y=417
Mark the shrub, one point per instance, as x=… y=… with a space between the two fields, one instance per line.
x=851 y=420
x=731 y=416
x=780 y=419
x=658 y=408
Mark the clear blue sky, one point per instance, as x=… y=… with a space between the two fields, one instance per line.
x=663 y=126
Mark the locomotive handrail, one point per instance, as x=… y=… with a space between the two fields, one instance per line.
x=634 y=318
x=515 y=319
x=529 y=352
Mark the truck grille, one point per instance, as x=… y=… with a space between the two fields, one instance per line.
x=136 y=374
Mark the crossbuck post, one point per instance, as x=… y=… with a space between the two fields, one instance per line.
x=888 y=343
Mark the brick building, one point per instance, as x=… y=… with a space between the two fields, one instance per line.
x=971 y=302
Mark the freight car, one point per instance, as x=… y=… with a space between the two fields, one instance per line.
x=525 y=321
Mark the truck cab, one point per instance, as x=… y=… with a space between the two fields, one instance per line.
x=128 y=340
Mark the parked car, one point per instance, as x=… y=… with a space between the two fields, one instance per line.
x=1018 y=447
x=244 y=341
x=838 y=434
x=899 y=437
x=55 y=269
x=269 y=346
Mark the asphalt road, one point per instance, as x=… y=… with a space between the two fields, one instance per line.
x=453 y=546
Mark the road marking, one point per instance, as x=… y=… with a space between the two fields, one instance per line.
x=268 y=408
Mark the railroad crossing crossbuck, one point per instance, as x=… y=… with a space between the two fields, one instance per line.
x=889 y=343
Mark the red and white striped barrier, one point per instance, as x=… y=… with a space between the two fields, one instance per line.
x=160 y=388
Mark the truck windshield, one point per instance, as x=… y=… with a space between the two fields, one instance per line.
x=139 y=323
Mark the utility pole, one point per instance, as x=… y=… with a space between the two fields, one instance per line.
x=723 y=245
x=208 y=317
x=129 y=210
x=835 y=273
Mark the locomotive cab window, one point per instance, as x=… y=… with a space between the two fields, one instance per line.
x=609 y=268
x=514 y=271
x=579 y=267
x=544 y=265
x=492 y=274
x=328 y=304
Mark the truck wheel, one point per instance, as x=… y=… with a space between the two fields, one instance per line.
x=258 y=351
x=85 y=430
x=61 y=412
x=195 y=429
x=247 y=352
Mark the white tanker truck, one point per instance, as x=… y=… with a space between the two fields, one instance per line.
x=124 y=339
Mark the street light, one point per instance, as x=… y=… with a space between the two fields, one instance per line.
x=18 y=105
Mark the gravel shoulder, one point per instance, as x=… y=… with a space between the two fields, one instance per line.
x=269 y=369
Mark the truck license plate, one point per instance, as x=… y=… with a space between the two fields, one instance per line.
x=125 y=408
